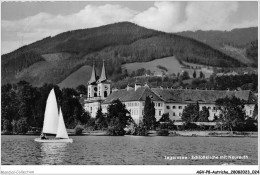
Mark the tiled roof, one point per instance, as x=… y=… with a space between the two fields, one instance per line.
x=178 y=95
x=202 y=96
x=131 y=95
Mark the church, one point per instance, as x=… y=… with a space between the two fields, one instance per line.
x=166 y=100
x=98 y=91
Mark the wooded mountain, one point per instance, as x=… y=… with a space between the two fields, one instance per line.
x=53 y=59
x=236 y=43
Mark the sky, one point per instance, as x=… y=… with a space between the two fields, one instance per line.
x=26 y=22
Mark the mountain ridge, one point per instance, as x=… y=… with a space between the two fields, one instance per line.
x=117 y=44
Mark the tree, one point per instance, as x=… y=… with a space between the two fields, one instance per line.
x=6 y=125
x=204 y=115
x=255 y=112
x=84 y=117
x=164 y=121
x=185 y=75
x=81 y=89
x=194 y=74
x=164 y=118
x=190 y=113
x=71 y=108
x=9 y=103
x=231 y=112
x=21 y=126
x=100 y=120
x=78 y=130
x=118 y=118
x=149 y=119
x=201 y=74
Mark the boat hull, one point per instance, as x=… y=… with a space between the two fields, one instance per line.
x=53 y=140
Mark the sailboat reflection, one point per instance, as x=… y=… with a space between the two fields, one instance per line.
x=53 y=154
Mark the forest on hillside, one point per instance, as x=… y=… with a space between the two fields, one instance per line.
x=115 y=43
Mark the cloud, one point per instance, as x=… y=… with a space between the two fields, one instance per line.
x=42 y=25
x=165 y=16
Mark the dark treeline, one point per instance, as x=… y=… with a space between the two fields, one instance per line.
x=231 y=82
x=244 y=82
x=23 y=106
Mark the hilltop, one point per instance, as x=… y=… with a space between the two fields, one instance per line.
x=54 y=59
x=237 y=43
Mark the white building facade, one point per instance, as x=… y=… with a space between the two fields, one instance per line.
x=172 y=101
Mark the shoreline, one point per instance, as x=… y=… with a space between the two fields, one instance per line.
x=171 y=134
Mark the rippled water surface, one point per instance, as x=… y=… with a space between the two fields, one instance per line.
x=127 y=150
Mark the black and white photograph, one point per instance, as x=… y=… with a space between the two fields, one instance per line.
x=120 y=83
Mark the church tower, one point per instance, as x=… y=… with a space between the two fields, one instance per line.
x=92 y=84
x=103 y=84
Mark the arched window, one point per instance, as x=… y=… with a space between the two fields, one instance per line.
x=105 y=94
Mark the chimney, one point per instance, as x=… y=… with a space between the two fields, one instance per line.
x=128 y=87
x=137 y=85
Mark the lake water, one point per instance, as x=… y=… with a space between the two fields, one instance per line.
x=128 y=150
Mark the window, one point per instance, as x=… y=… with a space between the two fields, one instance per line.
x=167 y=107
x=180 y=107
x=173 y=113
x=159 y=104
x=214 y=108
x=173 y=107
x=209 y=108
x=160 y=113
x=250 y=112
x=143 y=103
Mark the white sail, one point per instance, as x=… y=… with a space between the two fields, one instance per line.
x=51 y=115
x=62 y=132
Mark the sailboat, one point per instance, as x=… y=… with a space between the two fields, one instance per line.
x=54 y=122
